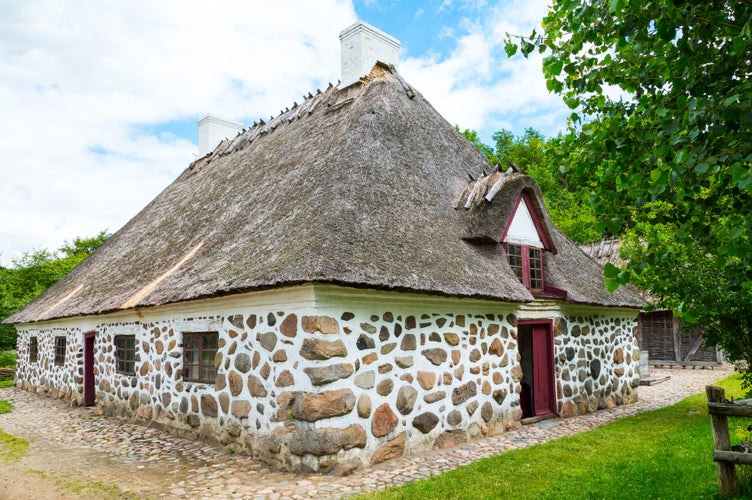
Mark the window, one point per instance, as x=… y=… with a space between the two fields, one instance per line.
x=59 y=351
x=125 y=354
x=199 y=350
x=527 y=264
x=33 y=349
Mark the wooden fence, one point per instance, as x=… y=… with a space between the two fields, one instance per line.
x=725 y=459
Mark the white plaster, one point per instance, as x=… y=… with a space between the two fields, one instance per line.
x=362 y=46
x=522 y=230
x=212 y=130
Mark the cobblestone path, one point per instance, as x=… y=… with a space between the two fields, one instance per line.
x=114 y=451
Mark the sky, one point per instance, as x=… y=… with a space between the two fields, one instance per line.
x=99 y=99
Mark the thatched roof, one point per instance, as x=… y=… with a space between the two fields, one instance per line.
x=354 y=186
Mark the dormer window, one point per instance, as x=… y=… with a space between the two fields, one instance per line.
x=524 y=242
x=527 y=264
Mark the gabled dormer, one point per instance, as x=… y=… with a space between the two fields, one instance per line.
x=525 y=241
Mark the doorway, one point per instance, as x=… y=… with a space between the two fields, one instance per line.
x=89 y=389
x=537 y=398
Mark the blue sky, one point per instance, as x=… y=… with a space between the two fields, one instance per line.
x=100 y=103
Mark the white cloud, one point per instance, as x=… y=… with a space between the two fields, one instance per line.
x=78 y=82
x=83 y=85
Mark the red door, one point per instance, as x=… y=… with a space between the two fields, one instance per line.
x=543 y=398
x=89 y=391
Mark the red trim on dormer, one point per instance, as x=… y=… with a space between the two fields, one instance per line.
x=536 y=220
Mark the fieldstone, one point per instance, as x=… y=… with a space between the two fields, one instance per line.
x=595 y=368
x=496 y=347
x=460 y=320
x=326 y=441
x=385 y=368
x=568 y=410
x=619 y=355
x=322 y=349
x=486 y=411
x=241 y=408
x=410 y=322
x=365 y=342
x=471 y=407
x=312 y=407
x=280 y=356
x=321 y=375
x=432 y=397
x=493 y=329
x=406 y=397
x=404 y=361
x=370 y=358
x=499 y=395
x=243 y=362
x=224 y=402
x=265 y=371
x=385 y=387
x=425 y=422
x=384 y=421
x=454 y=417
x=271 y=320
x=434 y=337
x=474 y=355
x=368 y=328
x=464 y=392
x=383 y=333
x=364 y=406
x=285 y=379
x=393 y=449
x=365 y=380
x=408 y=342
x=516 y=373
x=619 y=372
x=450 y=439
x=256 y=387
x=251 y=321
x=209 y=405
x=452 y=338
x=347 y=316
x=267 y=340
x=256 y=360
x=324 y=324
x=289 y=326
x=236 y=383
x=236 y=320
x=436 y=356
x=387 y=348
x=459 y=372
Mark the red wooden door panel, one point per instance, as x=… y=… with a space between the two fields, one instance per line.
x=542 y=376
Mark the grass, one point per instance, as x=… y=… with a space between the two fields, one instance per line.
x=5 y=406
x=664 y=453
x=12 y=449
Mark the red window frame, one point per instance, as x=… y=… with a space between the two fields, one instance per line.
x=530 y=269
x=60 y=348
x=199 y=351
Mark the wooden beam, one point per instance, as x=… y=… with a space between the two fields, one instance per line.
x=695 y=347
x=730 y=409
x=677 y=340
x=728 y=484
x=733 y=457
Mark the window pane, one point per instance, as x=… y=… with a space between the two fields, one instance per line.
x=33 y=349
x=125 y=354
x=536 y=269
x=199 y=351
x=515 y=259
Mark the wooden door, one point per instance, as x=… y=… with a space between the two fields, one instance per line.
x=543 y=398
x=89 y=390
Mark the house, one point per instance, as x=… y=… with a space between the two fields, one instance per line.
x=659 y=334
x=346 y=283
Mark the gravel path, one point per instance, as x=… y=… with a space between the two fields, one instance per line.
x=70 y=444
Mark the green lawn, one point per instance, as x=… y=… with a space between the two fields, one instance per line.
x=665 y=453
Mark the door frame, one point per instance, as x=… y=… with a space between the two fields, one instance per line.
x=549 y=356
x=90 y=393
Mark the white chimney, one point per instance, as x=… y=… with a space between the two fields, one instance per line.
x=212 y=130
x=362 y=45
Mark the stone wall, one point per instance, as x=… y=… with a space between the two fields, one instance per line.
x=306 y=388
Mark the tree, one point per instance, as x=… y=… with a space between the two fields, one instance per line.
x=33 y=273
x=531 y=153
x=662 y=114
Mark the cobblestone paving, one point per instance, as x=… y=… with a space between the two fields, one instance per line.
x=190 y=469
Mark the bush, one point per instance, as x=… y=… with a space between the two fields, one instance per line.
x=7 y=359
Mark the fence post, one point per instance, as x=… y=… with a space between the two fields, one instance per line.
x=728 y=485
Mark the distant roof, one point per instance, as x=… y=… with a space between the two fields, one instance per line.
x=355 y=186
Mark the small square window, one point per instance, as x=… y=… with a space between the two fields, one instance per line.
x=125 y=354
x=33 y=349
x=536 y=269
x=527 y=264
x=59 y=351
x=199 y=351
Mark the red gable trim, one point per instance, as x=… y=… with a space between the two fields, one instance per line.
x=536 y=219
